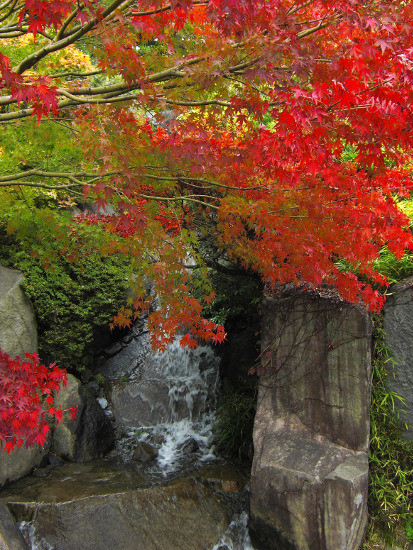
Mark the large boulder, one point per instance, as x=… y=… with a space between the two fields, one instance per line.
x=310 y=470
x=398 y=329
x=21 y=462
x=18 y=335
x=10 y=536
x=95 y=506
x=90 y=435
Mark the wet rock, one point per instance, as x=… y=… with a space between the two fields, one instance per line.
x=225 y=477
x=102 y=402
x=21 y=462
x=86 y=375
x=90 y=506
x=10 y=536
x=310 y=470
x=43 y=472
x=90 y=435
x=168 y=387
x=123 y=357
x=189 y=446
x=141 y=404
x=231 y=486
x=144 y=452
x=55 y=460
x=398 y=328
x=93 y=388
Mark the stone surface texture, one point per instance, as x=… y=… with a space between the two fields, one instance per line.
x=10 y=536
x=310 y=469
x=18 y=334
x=95 y=506
x=21 y=462
x=398 y=328
x=162 y=387
x=90 y=435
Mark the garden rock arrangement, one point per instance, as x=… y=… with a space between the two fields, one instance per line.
x=93 y=505
x=10 y=536
x=310 y=470
x=90 y=435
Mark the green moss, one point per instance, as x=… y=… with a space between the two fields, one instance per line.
x=75 y=288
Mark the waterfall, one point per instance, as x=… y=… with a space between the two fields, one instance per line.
x=192 y=377
x=170 y=403
x=161 y=401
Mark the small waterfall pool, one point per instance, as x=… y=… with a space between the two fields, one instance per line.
x=185 y=440
x=168 y=403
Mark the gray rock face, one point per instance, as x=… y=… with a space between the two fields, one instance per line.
x=10 y=536
x=144 y=452
x=91 y=435
x=93 y=506
x=124 y=357
x=398 y=328
x=18 y=334
x=20 y=462
x=310 y=469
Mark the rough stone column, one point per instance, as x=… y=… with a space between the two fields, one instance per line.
x=311 y=433
x=398 y=329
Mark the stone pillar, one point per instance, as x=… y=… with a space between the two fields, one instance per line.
x=310 y=470
x=398 y=329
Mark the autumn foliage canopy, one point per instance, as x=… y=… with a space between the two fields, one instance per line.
x=279 y=130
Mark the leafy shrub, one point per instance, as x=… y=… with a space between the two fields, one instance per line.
x=394 y=269
x=235 y=421
x=75 y=288
x=391 y=457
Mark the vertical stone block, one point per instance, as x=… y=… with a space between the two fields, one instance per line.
x=310 y=469
x=398 y=328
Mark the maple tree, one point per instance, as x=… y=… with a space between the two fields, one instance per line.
x=27 y=392
x=280 y=129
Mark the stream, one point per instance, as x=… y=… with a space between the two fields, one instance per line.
x=182 y=497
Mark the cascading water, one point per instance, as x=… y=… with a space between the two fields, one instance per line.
x=166 y=401
x=236 y=537
x=189 y=387
x=183 y=415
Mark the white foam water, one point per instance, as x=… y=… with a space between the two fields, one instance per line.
x=30 y=536
x=237 y=536
x=192 y=378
